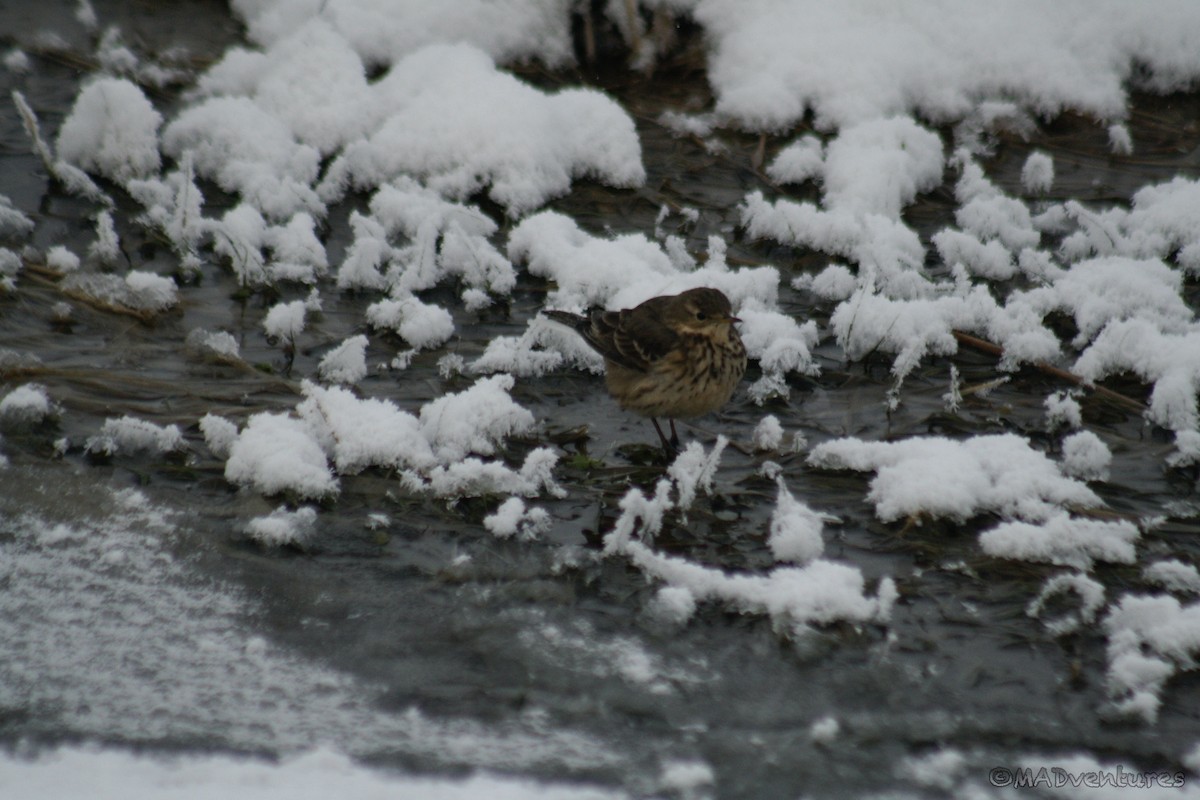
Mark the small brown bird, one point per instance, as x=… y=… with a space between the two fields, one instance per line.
x=676 y=356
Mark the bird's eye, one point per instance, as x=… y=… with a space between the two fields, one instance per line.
x=700 y=315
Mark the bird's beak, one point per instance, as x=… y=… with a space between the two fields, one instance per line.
x=735 y=319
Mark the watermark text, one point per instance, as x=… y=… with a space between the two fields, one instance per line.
x=1059 y=778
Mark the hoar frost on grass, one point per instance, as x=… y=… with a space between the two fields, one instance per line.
x=283 y=526
x=1174 y=575
x=13 y=222
x=219 y=434
x=384 y=31
x=1091 y=600
x=218 y=344
x=524 y=146
x=138 y=291
x=820 y=592
x=513 y=518
x=443 y=239
x=28 y=404
x=1150 y=639
x=131 y=435
x=863 y=60
x=112 y=129
x=768 y=433
x=434 y=451
x=346 y=363
x=1086 y=456
x=1000 y=474
x=286 y=321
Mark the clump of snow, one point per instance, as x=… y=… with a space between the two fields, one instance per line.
x=61 y=259
x=247 y=150
x=1037 y=175
x=381 y=33
x=173 y=206
x=107 y=247
x=1103 y=290
x=321 y=99
x=694 y=469
x=820 y=592
x=847 y=64
x=1163 y=359
x=1064 y=540
x=346 y=363
x=1187 y=449
x=85 y=14
x=283 y=527
x=673 y=605
x=681 y=124
x=940 y=769
x=431 y=450
x=1161 y=224
x=28 y=404
x=957 y=479
x=286 y=321
x=276 y=453
x=1086 y=456
x=953 y=398
x=768 y=433
x=450 y=365
x=112 y=129
x=835 y=282
x=73 y=179
x=795 y=530
x=219 y=434
x=420 y=324
x=1150 y=639
x=297 y=254
x=13 y=222
x=473 y=477
x=1119 y=139
x=522 y=144
x=824 y=730
x=879 y=166
x=150 y=292
x=16 y=61
x=218 y=343
x=512 y=518
x=11 y=265
x=445 y=240
x=1173 y=575
x=137 y=291
x=475 y=420
x=360 y=433
x=1091 y=600
x=131 y=435
x=687 y=779
x=800 y=161
x=1063 y=409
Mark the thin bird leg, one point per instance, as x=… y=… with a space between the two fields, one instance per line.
x=666 y=443
x=674 y=435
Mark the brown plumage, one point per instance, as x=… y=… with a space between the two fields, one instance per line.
x=676 y=356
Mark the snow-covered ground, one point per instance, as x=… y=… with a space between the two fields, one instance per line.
x=409 y=124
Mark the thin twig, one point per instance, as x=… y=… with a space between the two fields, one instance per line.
x=975 y=343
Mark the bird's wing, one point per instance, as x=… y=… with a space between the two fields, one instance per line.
x=633 y=338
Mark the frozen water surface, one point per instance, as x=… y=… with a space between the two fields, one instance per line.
x=300 y=496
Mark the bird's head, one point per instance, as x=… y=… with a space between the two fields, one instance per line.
x=701 y=310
